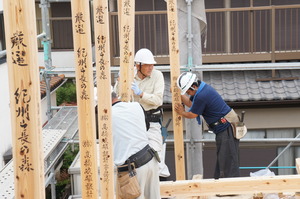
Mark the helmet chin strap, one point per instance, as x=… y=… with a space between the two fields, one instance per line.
x=140 y=70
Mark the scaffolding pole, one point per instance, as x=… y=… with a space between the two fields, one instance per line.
x=189 y=34
x=46 y=41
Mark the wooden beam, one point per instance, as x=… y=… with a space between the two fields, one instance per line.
x=25 y=104
x=240 y=185
x=104 y=98
x=85 y=98
x=176 y=97
x=126 y=48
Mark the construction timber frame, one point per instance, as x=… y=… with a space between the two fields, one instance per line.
x=179 y=188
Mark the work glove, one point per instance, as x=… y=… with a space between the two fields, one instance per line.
x=136 y=89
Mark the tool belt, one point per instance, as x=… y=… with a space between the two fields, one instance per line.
x=238 y=126
x=154 y=115
x=222 y=120
x=139 y=159
x=127 y=184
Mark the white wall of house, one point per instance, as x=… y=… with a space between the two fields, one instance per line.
x=5 y=118
x=61 y=59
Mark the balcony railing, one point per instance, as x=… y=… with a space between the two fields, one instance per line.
x=252 y=34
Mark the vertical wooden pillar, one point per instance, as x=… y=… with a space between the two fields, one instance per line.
x=176 y=98
x=85 y=98
x=104 y=98
x=25 y=105
x=126 y=47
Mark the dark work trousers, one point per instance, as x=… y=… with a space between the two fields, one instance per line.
x=227 y=155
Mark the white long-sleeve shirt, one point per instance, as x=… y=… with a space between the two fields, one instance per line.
x=153 y=90
x=129 y=130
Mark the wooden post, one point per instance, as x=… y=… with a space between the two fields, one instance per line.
x=85 y=98
x=104 y=98
x=25 y=104
x=176 y=98
x=126 y=48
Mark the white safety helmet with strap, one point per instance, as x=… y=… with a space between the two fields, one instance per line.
x=185 y=81
x=144 y=56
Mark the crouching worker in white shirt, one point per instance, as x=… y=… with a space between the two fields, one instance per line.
x=131 y=144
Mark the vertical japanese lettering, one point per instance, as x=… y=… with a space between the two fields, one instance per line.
x=79 y=22
x=104 y=145
x=88 y=174
x=100 y=15
x=18 y=49
x=102 y=42
x=173 y=33
x=176 y=98
x=127 y=53
x=126 y=7
x=171 y=6
x=82 y=64
x=22 y=100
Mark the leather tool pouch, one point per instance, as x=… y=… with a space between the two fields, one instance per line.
x=239 y=128
x=127 y=183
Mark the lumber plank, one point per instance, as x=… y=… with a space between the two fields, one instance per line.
x=101 y=24
x=176 y=98
x=239 y=185
x=85 y=98
x=126 y=48
x=25 y=104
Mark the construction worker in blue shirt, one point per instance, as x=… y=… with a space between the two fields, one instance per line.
x=204 y=100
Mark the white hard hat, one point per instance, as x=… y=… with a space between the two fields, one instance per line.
x=144 y=56
x=185 y=81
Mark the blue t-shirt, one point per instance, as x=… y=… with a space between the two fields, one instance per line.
x=209 y=103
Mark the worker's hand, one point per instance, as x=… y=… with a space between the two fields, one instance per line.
x=136 y=89
x=179 y=108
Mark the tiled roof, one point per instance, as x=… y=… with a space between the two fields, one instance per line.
x=242 y=86
x=54 y=83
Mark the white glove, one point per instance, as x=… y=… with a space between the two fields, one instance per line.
x=136 y=89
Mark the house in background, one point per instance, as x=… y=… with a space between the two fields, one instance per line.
x=251 y=57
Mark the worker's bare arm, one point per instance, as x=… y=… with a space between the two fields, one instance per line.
x=180 y=110
x=186 y=101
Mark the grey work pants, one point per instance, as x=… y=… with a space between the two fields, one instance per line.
x=227 y=155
